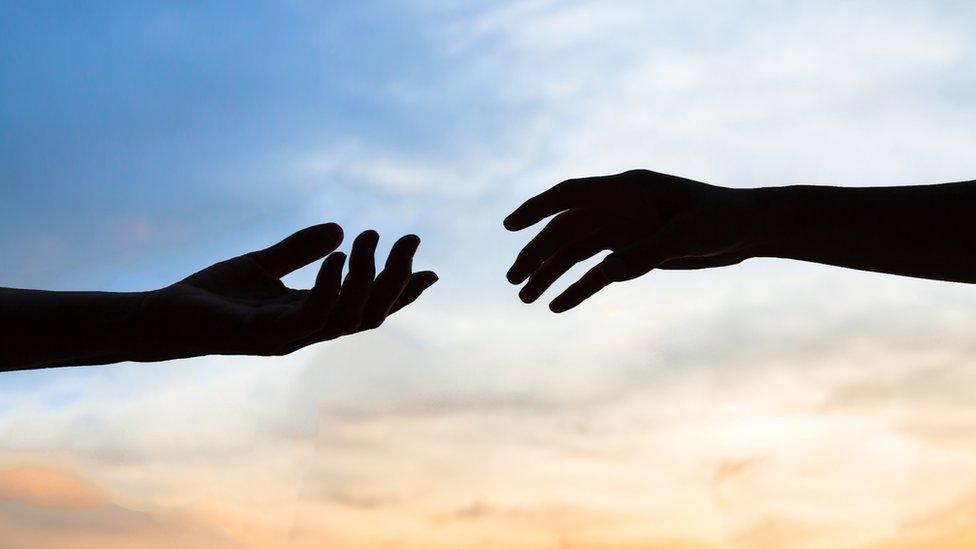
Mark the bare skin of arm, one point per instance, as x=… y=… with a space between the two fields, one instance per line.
x=235 y=307
x=650 y=220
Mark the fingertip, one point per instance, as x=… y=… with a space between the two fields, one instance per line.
x=331 y=266
x=526 y=296
x=334 y=230
x=365 y=243
x=327 y=233
x=512 y=223
x=411 y=241
x=429 y=278
x=558 y=306
x=337 y=257
x=517 y=274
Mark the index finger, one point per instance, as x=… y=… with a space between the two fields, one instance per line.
x=572 y=193
x=355 y=288
x=390 y=283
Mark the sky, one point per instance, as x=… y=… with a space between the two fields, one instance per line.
x=770 y=404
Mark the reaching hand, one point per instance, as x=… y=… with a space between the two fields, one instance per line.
x=240 y=306
x=649 y=220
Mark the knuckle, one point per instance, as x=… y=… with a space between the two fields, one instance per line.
x=569 y=185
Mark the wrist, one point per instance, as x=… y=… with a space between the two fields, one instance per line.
x=132 y=325
x=109 y=328
x=776 y=217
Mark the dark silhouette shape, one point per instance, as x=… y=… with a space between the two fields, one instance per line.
x=236 y=307
x=656 y=221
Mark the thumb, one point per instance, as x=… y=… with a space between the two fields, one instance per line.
x=299 y=249
x=671 y=241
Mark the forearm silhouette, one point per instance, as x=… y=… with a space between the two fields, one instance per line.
x=235 y=307
x=651 y=221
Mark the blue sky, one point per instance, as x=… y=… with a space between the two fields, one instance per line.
x=117 y=113
x=140 y=142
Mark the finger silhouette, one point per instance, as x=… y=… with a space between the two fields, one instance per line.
x=355 y=288
x=325 y=293
x=299 y=249
x=590 y=283
x=572 y=193
x=416 y=286
x=282 y=328
x=390 y=283
x=565 y=227
x=562 y=261
x=673 y=241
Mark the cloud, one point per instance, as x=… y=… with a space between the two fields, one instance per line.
x=652 y=411
x=706 y=93
x=952 y=526
x=40 y=486
x=45 y=506
x=774 y=533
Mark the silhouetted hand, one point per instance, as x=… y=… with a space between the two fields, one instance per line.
x=240 y=306
x=236 y=307
x=655 y=221
x=649 y=220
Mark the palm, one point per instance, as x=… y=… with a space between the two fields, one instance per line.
x=241 y=281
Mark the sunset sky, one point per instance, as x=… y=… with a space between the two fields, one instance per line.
x=767 y=405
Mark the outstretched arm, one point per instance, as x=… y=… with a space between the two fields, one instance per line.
x=656 y=221
x=235 y=307
x=925 y=231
